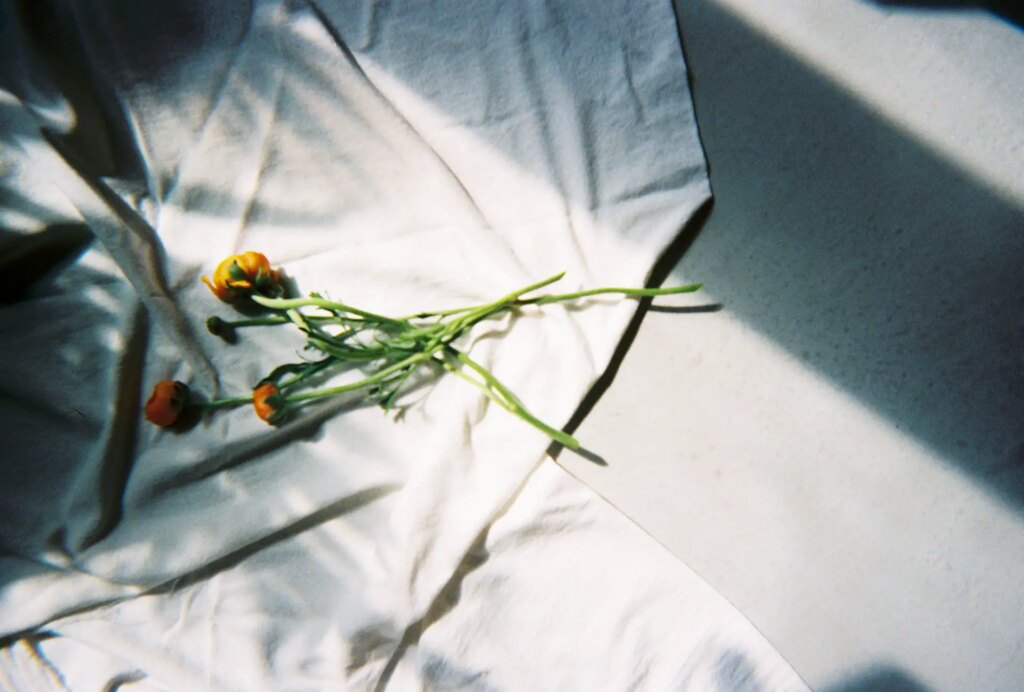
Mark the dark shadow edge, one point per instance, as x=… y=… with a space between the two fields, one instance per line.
x=662 y=268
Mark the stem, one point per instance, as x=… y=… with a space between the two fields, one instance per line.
x=346 y=354
x=267 y=321
x=511 y=297
x=388 y=402
x=255 y=321
x=532 y=287
x=630 y=292
x=312 y=370
x=298 y=319
x=292 y=303
x=511 y=402
x=476 y=313
x=223 y=403
x=406 y=344
x=373 y=379
x=482 y=386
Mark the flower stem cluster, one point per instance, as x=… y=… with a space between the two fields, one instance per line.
x=392 y=350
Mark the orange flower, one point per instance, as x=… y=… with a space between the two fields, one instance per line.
x=166 y=402
x=268 y=402
x=240 y=275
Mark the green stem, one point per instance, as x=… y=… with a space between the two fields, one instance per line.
x=223 y=403
x=511 y=402
x=532 y=287
x=346 y=354
x=511 y=297
x=427 y=342
x=473 y=314
x=255 y=322
x=388 y=402
x=267 y=321
x=373 y=379
x=630 y=292
x=312 y=370
x=292 y=303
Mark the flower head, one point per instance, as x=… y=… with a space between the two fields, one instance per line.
x=244 y=274
x=268 y=402
x=166 y=403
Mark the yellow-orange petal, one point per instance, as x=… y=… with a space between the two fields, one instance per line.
x=264 y=409
x=222 y=291
x=252 y=262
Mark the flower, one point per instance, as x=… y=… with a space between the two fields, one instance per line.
x=268 y=402
x=222 y=328
x=166 y=403
x=241 y=275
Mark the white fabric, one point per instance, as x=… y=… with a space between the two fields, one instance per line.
x=399 y=155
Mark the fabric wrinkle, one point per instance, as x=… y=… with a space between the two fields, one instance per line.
x=215 y=99
x=401 y=157
x=558 y=123
x=115 y=452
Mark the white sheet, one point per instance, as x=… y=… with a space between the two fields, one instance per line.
x=403 y=156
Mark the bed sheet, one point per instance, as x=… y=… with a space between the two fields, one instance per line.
x=403 y=156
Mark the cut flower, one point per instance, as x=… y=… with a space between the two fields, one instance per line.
x=390 y=350
x=244 y=274
x=268 y=402
x=166 y=403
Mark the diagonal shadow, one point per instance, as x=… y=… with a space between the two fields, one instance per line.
x=1010 y=11
x=860 y=251
x=662 y=268
x=341 y=507
x=445 y=600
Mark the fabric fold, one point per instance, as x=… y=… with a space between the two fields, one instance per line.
x=384 y=154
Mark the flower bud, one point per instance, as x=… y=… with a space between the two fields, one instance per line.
x=242 y=275
x=218 y=327
x=166 y=403
x=268 y=402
